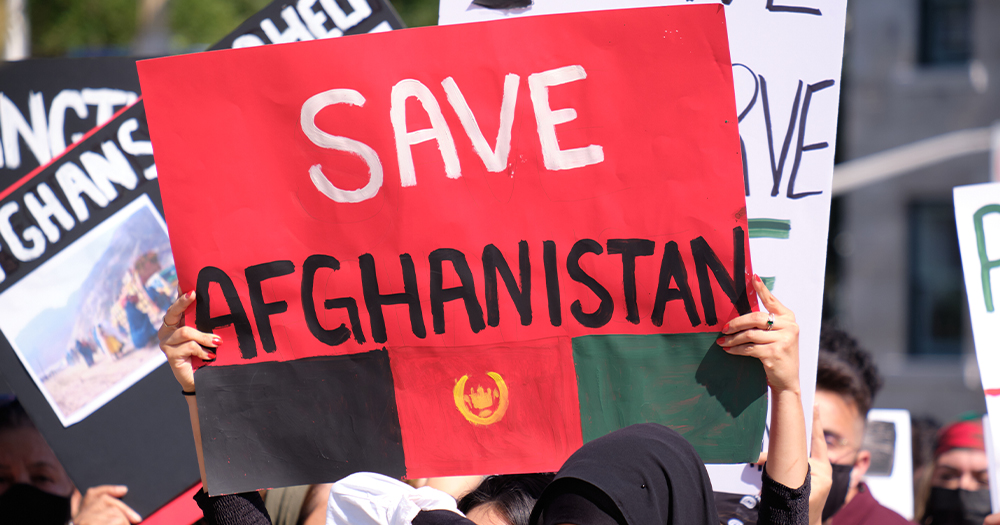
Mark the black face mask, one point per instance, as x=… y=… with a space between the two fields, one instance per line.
x=957 y=506
x=838 y=491
x=25 y=504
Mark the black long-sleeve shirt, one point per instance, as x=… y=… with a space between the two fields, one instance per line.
x=245 y=508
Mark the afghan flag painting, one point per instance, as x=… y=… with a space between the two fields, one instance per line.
x=460 y=250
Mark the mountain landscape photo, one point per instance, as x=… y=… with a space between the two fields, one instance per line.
x=50 y=341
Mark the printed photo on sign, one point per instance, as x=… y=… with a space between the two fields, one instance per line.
x=84 y=323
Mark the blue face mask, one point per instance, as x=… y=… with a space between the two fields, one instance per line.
x=23 y=503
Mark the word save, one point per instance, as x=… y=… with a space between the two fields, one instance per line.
x=495 y=159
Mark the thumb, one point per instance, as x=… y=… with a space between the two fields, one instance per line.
x=819 y=451
x=117 y=491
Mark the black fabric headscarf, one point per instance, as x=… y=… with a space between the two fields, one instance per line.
x=640 y=475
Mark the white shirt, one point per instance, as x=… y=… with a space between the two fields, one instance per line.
x=366 y=498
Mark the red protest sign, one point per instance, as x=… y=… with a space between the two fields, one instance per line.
x=478 y=187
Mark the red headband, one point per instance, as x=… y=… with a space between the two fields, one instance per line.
x=964 y=434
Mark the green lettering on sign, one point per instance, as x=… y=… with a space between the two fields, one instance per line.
x=984 y=262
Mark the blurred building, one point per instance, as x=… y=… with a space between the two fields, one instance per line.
x=913 y=69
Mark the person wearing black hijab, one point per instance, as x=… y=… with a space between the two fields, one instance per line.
x=641 y=474
x=648 y=474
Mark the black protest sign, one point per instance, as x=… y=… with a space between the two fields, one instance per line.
x=48 y=210
x=80 y=351
x=85 y=274
x=283 y=21
x=47 y=104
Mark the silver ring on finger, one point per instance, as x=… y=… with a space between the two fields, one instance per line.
x=770 y=322
x=178 y=324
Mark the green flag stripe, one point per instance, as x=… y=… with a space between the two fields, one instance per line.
x=715 y=400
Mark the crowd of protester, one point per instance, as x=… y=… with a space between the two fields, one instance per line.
x=638 y=475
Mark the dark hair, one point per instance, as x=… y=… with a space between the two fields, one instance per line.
x=13 y=416
x=510 y=496
x=846 y=369
x=923 y=435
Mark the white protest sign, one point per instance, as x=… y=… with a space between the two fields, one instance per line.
x=889 y=438
x=786 y=65
x=977 y=217
x=991 y=456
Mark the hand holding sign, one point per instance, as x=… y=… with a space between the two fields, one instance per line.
x=182 y=344
x=771 y=337
x=102 y=506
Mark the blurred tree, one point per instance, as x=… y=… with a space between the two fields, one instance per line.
x=207 y=21
x=58 y=26
x=417 y=13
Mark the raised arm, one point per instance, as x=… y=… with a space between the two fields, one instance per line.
x=773 y=337
x=181 y=344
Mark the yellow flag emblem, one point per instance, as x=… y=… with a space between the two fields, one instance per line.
x=482 y=406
